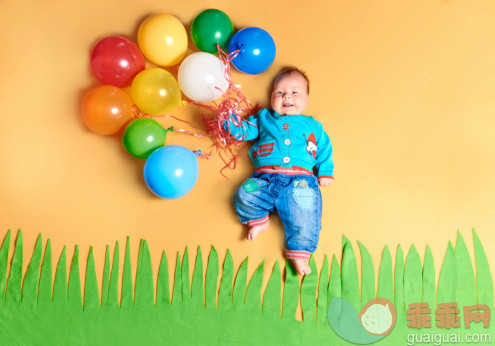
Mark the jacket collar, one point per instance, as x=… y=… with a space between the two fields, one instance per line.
x=276 y=115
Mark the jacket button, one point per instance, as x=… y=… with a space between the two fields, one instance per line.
x=287 y=142
x=286 y=159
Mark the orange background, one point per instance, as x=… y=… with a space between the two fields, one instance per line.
x=405 y=89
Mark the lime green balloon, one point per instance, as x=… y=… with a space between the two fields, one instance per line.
x=209 y=28
x=143 y=136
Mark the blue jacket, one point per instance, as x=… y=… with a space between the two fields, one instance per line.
x=286 y=141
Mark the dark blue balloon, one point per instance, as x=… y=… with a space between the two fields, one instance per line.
x=257 y=50
x=171 y=171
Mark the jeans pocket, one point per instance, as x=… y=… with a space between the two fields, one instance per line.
x=304 y=197
x=253 y=184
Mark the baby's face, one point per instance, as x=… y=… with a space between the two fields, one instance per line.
x=290 y=95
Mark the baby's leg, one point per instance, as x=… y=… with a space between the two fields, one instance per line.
x=299 y=207
x=256 y=227
x=253 y=203
x=299 y=261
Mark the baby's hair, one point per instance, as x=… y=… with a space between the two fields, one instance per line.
x=287 y=71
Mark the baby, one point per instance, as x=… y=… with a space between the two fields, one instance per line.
x=292 y=155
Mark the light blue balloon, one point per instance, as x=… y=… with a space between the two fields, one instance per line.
x=256 y=50
x=171 y=171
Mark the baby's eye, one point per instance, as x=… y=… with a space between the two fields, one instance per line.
x=294 y=93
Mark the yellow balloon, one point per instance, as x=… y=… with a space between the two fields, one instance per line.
x=163 y=39
x=155 y=91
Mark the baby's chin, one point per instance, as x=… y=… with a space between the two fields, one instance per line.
x=288 y=110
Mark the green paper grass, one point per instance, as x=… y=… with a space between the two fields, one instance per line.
x=225 y=306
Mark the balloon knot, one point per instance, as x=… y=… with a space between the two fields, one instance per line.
x=136 y=112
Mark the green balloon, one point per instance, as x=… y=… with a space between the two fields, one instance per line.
x=209 y=28
x=143 y=136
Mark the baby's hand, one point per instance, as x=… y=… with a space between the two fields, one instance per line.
x=325 y=181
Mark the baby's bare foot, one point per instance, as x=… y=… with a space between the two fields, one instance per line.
x=255 y=230
x=300 y=266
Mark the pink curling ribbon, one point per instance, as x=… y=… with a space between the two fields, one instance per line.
x=231 y=107
x=137 y=113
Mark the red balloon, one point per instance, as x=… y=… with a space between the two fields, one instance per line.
x=116 y=60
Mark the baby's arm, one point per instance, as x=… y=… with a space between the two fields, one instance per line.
x=247 y=130
x=324 y=159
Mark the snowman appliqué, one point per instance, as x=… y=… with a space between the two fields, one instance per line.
x=311 y=145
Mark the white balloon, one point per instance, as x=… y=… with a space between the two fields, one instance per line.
x=202 y=77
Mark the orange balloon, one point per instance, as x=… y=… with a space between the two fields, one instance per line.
x=106 y=109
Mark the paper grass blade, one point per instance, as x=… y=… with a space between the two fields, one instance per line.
x=385 y=276
x=412 y=277
x=197 y=287
x=271 y=299
x=211 y=280
x=13 y=294
x=429 y=289
x=162 y=286
x=367 y=275
x=323 y=293
x=308 y=293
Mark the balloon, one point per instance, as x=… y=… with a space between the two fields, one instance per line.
x=209 y=28
x=171 y=171
x=257 y=50
x=155 y=91
x=163 y=39
x=202 y=77
x=143 y=136
x=116 y=60
x=106 y=108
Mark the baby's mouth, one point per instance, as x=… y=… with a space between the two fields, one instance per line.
x=288 y=105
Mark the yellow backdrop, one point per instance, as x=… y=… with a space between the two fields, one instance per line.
x=406 y=90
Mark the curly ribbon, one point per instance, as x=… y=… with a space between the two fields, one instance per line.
x=137 y=114
x=231 y=107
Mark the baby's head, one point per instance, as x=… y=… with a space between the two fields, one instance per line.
x=290 y=93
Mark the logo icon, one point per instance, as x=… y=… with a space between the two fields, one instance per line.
x=375 y=321
x=311 y=146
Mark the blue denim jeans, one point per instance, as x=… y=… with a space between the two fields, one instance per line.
x=296 y=199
